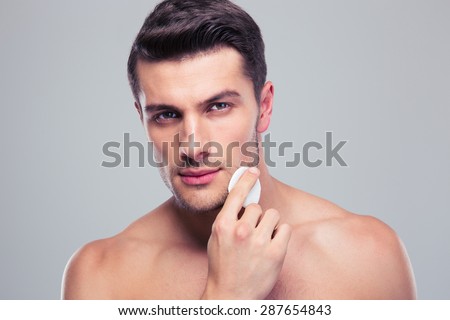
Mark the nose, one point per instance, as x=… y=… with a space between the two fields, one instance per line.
x=193 y=135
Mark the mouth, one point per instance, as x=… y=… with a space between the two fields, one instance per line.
x=198 y=177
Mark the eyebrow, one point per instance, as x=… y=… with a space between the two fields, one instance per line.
x=219 y=96
x=222 y=95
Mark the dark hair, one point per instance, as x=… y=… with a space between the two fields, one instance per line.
x=181 y=28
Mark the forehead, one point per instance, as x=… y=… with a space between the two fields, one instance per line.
x=194 y=78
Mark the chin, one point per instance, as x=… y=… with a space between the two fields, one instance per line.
x=200 y=201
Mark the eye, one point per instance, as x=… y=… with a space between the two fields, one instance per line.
x=165 y=116
x=219 y=106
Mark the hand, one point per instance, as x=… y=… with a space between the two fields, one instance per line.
x=245 y=254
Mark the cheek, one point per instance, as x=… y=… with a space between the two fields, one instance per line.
x=240 y=127
x=161 y=143
x=245 y=132
x=236 y=135
x=237 y=144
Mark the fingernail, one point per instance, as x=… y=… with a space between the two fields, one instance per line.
x=254 y=170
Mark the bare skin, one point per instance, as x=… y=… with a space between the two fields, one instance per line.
x=292 y=245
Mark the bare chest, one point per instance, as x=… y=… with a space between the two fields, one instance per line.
x=183 y=276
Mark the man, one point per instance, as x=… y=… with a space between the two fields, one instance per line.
x=197 y=72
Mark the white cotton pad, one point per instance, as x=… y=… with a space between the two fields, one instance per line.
x=255 y=192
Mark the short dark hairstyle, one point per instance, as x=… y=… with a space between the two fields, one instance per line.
x=182 y=28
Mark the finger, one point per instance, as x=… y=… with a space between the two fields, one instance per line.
x=268 y=223
x=252 y=214
x=237 y=195
x=281 y=237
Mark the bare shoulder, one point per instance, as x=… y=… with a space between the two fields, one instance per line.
x=343 y=255
x=113 y=268
x=98 y=269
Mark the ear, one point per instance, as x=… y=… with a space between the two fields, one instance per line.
x=138 y=108
x=265 y=107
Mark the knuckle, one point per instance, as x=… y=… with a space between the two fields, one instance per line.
x=239 y=192
x=284 y=231
x=242 y=231
x=254 y=207
x=219 y=227
x=260 y=242
x=244 y=184
x=273 y=215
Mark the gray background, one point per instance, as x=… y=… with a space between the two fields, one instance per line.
x=376 y=73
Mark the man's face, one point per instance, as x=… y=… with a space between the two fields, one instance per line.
x=207 y=100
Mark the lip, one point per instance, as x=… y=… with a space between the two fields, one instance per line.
x=198 y=177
